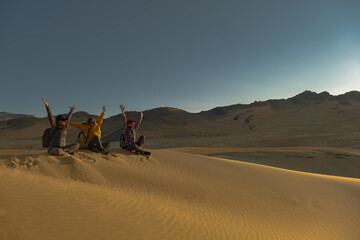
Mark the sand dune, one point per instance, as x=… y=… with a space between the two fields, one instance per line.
x=170 y=195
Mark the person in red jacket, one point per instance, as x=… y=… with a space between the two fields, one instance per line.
x=129 y=131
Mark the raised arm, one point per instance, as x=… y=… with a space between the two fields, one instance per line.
x=137 y=125
x=70 y=114
x=101 y=117
x=123 y=115
x=81 y=126
x=49 y=113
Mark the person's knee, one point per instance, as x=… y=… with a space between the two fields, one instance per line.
x=130 y=147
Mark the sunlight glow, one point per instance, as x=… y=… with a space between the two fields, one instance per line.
x=348 y=78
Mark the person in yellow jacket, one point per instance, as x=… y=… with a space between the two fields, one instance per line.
x=92 y=129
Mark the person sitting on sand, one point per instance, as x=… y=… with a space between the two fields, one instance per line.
x=58 y=132
x=92 y=128
x=129 y=131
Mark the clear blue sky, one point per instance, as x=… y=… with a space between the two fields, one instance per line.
x=194 y=55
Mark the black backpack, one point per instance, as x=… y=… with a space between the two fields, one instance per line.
x=46 y=138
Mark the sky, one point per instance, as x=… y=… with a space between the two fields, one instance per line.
x=189 y=54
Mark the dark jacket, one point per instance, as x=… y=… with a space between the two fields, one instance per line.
x=58 y=132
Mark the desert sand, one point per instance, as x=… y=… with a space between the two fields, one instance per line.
x=170 y=195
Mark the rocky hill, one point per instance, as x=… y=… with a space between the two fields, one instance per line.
x=307 y=119
x=5 y=116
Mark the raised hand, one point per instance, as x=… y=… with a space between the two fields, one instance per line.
x=122 y=107
x=72 y=108
x=104 y=108
x=46 y=103
x=141 y=114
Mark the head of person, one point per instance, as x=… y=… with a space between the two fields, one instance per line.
x=91 y=121
x=131 y=123
x=61 y=120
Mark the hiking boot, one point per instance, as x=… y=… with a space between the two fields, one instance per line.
x=103 y=151
x=143 y=152
x=146 y=153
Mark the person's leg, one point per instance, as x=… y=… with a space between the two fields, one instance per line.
x=95 y=142
x=133 y=146
x=91 y=144
x=140 y=141
x=71 y=148
x=106 y=145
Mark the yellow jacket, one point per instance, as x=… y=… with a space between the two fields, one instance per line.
x=94 y=131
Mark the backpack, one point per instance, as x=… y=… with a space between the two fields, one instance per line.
x=46 y=138
x=82 y=139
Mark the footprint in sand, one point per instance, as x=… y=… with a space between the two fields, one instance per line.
x=84 y=158
x=144 y=159
x=15 y=162
x=65 y=160
x=28 y=161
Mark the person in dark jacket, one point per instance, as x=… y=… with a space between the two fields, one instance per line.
x=58 y=132
x=129 y=131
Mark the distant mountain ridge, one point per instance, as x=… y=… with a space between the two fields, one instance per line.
x=4 y=116
x=304 y=97
x=308 y=118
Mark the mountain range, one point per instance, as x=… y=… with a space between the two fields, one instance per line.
x=307 y=119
